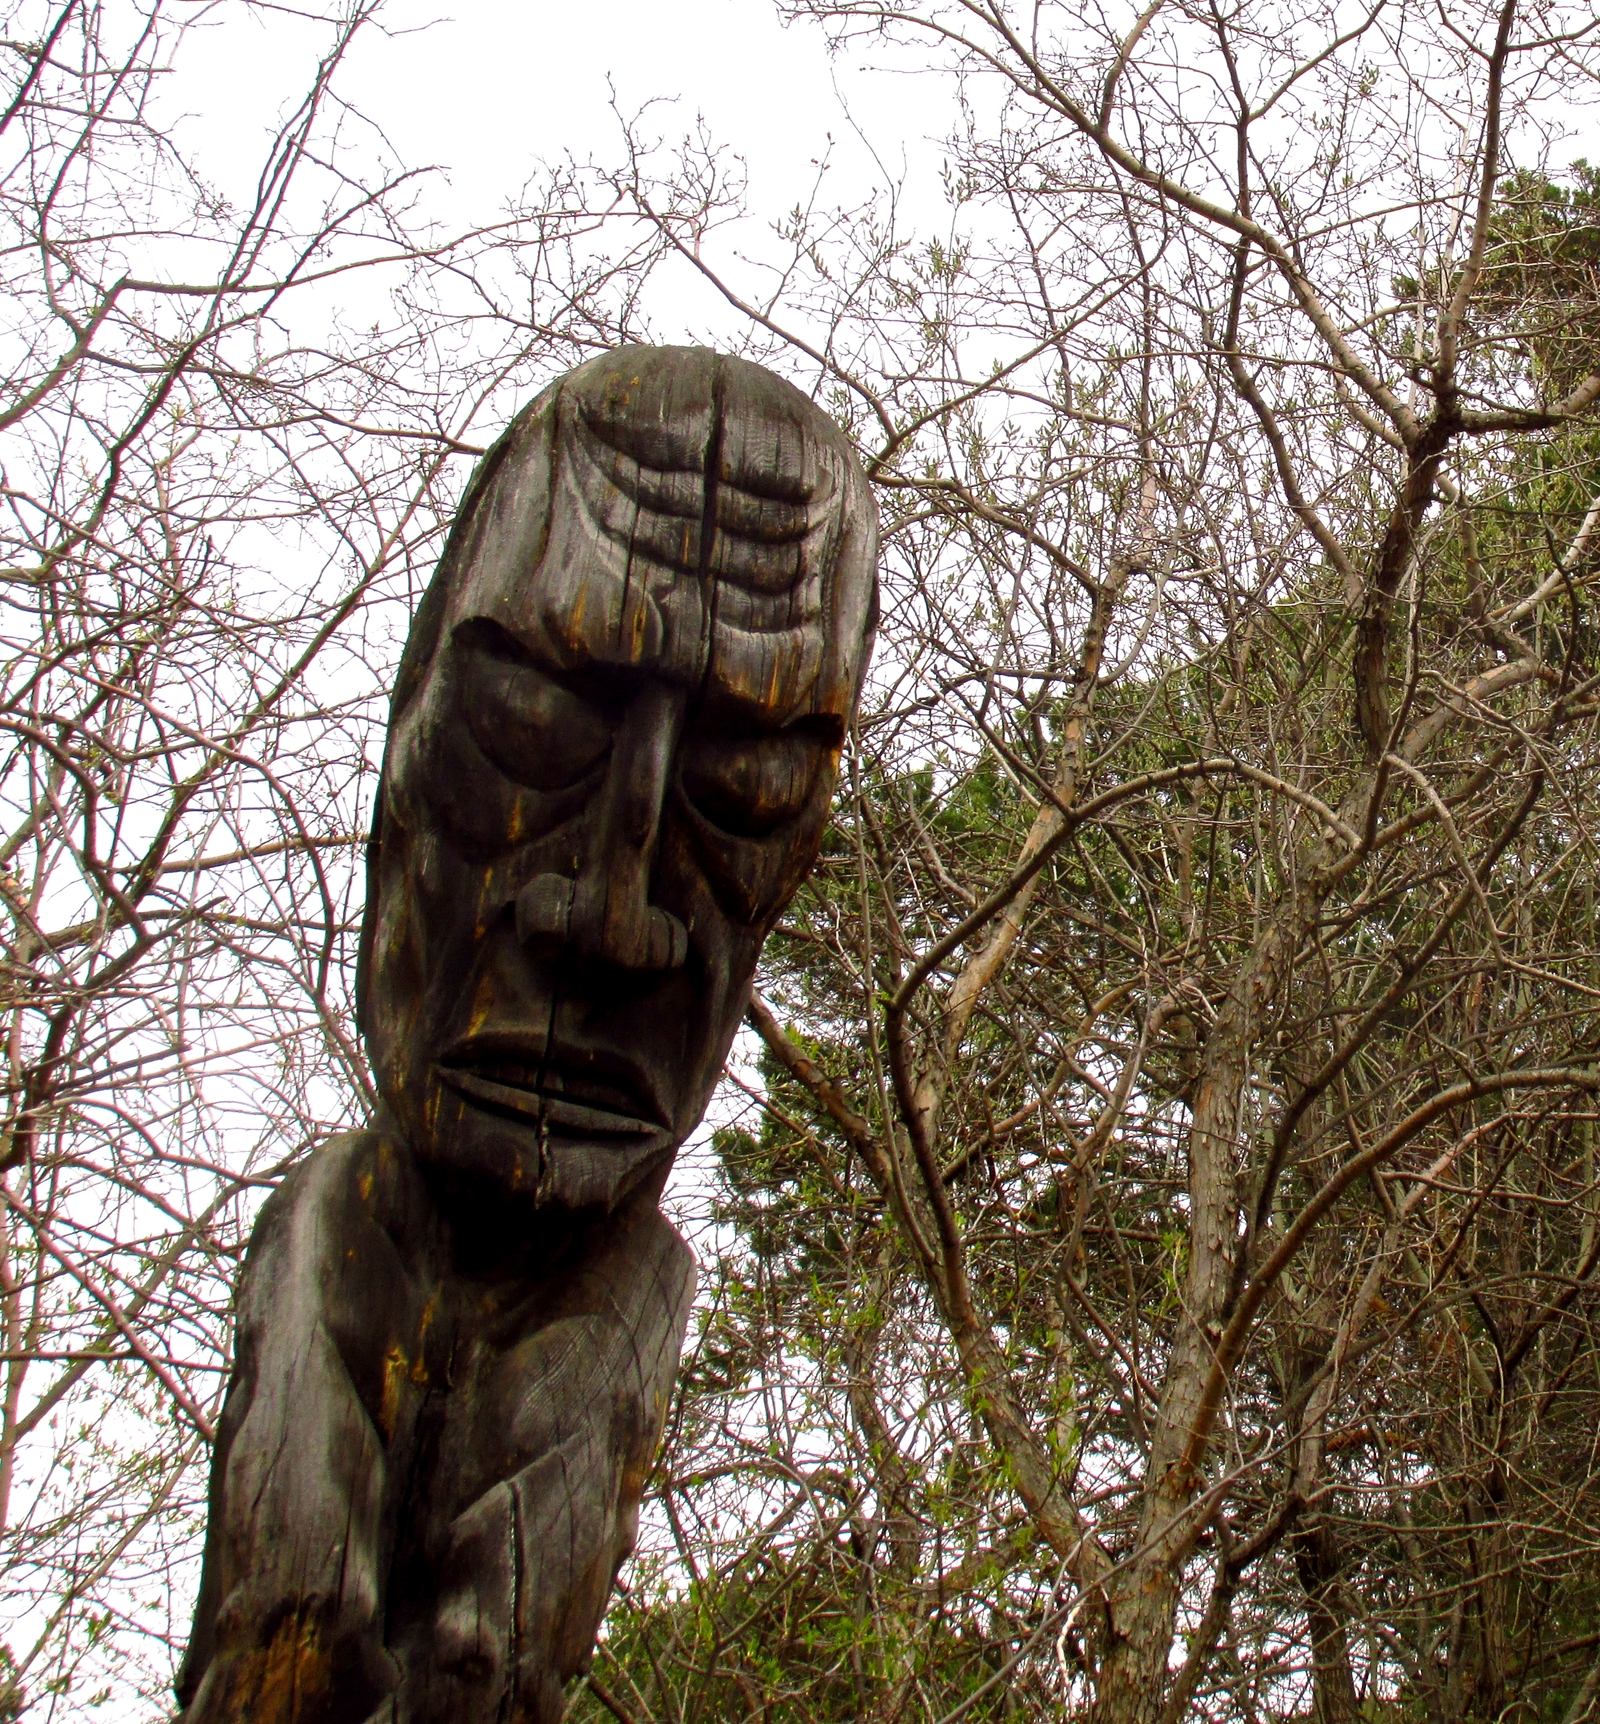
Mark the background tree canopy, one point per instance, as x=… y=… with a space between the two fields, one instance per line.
x=1151 y=1248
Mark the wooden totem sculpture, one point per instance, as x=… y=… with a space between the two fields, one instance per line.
x=611 y=751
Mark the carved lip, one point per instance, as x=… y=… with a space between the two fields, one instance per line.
x=586 y=1091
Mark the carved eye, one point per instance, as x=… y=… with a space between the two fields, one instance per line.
x=751 y=785
x=535 y=730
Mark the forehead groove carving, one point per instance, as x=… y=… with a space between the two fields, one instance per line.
x=679 y=511
x=708 y=530
x=723 y=490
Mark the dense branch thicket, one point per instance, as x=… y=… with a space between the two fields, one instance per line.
x=1155 y=1274
x=1161 y=1279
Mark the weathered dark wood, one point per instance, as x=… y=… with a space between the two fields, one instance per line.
x=612 y=747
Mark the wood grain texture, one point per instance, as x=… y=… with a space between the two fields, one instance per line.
x=315 y=1443
x=425 y=1479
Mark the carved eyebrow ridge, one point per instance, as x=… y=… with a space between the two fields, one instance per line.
x=776 y=512
x=761 y=546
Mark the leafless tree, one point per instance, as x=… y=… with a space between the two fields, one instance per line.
x=1156 y=1275
x=1163 y=1283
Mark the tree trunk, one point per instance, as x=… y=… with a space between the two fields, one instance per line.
x=1333 y=1689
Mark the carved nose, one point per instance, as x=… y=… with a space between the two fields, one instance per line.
x=579 y=913
x=605 y=913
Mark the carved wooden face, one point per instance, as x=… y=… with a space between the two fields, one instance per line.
x=612 y=767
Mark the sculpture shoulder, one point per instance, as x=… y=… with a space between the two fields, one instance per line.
x=350 y=1177
x=348 y=1156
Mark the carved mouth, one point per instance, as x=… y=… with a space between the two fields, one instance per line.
x=587 y=1094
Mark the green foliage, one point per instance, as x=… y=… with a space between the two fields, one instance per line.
x=1542 y=280
x=13 y=1695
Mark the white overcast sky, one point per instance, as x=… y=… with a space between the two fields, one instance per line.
x=501 y=83
x=487 y=93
